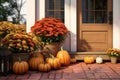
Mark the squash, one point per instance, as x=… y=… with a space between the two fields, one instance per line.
x=64 y=57
x=99 y=60
x=54 y=62
x=73 y=60
x=34 y=61
x=89 y=59
x=20 y=67
x=45 y=67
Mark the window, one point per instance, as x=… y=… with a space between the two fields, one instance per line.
x=94 y=11
x=54 y=8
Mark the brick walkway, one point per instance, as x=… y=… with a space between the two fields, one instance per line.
x=78 y=71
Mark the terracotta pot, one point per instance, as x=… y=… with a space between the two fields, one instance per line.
x=113 y=60
x=52 y=48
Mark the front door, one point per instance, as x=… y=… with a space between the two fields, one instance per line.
x=94 y=25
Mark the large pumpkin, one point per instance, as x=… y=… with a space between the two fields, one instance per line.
x=20 y=67
x=89 y=59
x=64 y=57
x=44 y=67
x=54 y=62
x=34 y=61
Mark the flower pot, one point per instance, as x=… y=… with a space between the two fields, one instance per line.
x=52 y=48
x=113 y=60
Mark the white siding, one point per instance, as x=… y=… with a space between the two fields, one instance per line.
x=116 y=24
x=30 y=14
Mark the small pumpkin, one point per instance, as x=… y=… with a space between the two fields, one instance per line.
x=45 y=67
x=73 y=60
x=54 y=62
x=89 y=59
x=63 y=56
x=35 y=61
x=99 y=60
x=20 y=67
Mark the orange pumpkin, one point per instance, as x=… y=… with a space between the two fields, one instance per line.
x=73 y=60
x=20 y=67
x=35 y=61
x=64 y=57
x=89 y=59
x=54 y=62
x=44 y=67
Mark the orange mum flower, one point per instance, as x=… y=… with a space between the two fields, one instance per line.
x=48 y=29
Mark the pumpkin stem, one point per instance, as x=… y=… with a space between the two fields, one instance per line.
x=52 y=56
x=36 y=56
x=61 y=48
x=19 y=58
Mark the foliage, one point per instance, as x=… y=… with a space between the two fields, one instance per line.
x=8 y=27
x=12 y=9
x=113 y=52
x=50 y=30
x=20 y=42
x=5 y=11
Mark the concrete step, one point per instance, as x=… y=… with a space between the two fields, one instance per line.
x=81 y=55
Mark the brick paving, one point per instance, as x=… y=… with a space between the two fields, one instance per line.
x=78 y=71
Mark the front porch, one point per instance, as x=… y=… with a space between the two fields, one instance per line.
x=78 y=71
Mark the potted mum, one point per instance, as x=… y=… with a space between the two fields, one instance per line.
x=51 y=32
x=114 y=53
x=20 y=42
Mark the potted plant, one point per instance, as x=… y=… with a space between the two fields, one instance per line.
x=114 y=53
x=51 y=32
x=20 y=42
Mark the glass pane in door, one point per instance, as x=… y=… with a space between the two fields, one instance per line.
x=94 y=11
x=87 y=5
x=100 y=4
x=100 y=17
x=88 y=17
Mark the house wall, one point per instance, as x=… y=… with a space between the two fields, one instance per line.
x=116 y=24
x=36 y=11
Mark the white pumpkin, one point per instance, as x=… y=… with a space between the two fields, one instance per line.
x=99 y=60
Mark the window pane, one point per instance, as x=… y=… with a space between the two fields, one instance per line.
x=51 y=7
x=55 y=8
x=88 y=17
x=61 y=15
x=100 y=17
x=101 y=4
x=87 y=4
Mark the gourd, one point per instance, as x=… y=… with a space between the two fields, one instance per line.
x=54 y=62
x=73 y=60
x=89 y=59
x=34 y=61
x=20 y=67
x=64 y=57
x=45 y=67
x=99 y=60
